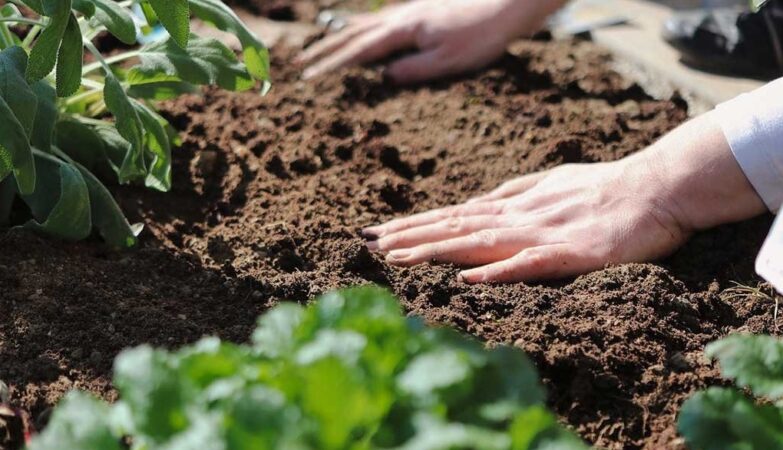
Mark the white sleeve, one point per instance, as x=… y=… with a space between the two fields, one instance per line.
x=753 y=126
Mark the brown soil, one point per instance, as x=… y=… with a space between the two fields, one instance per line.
x=305 y=10
x=269 y=195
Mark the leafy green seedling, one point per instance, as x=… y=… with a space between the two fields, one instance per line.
x=727 y=418
x=349 y=372
x=66 y=124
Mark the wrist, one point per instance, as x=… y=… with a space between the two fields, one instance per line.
x=697 y=178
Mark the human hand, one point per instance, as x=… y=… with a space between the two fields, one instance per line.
x=452 y=36
x=579 y=218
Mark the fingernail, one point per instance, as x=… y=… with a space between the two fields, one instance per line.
x=469 y=277
x=372 y=233
x=399 y=255
x=373 y=246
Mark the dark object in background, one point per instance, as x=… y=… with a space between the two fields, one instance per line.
x=731 y=40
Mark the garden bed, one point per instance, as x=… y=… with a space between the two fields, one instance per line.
x=269 y=195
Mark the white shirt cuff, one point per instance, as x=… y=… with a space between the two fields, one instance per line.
x=753 y=126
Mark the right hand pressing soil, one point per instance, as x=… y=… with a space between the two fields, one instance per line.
x=578 y=218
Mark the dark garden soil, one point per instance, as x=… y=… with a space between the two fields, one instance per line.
x=305 y=10
x=270 y=193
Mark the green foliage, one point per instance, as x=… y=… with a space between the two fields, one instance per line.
x=726 y=418
x=62 y=119
x=348 y=372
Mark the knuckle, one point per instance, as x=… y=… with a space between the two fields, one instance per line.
x=433 y=251
x=534 y=260
x=485 y=238
x=455 y=224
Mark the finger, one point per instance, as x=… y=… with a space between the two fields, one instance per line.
x=332 y=42
x=365 y=47
x=440 y=231
x=430 y=217
x=419 y=67
x=377 y=16
x=535 y=263
x=510 y=188
x=481 y=247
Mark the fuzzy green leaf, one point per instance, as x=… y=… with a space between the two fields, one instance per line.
x=164 y=90
x=86 y=7
x=43 y=56
x=719 y=418
x=175 y=17
x=158 y=145
x=79 y=142
x=754 y=361
x=107 y=217
x=45 y=117
x=116 y=19
x=69 y=60
x=256 y=56
x=129 y=126
x=15 y=90
x=35 y=5
x=115 y=146
x=15 y=151
x=80 y=422
x=204 y=62
x=61 y=201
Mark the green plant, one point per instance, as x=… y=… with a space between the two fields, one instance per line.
x=727 y=418
x=58 y=130
x=349 y=372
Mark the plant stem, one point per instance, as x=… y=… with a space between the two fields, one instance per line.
x=89 y=120
x=84 y=96
x=22 y=20
x=31 y=35
x=98 y=57
x=92 y=84
x=97 y=108
x=112 y=60
x=6 y=39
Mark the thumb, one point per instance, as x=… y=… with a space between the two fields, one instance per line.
x=423 y=66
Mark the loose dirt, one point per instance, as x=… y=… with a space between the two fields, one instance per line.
x=270 y=193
